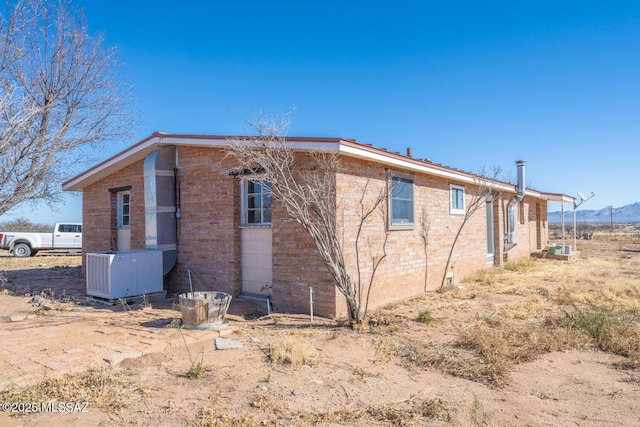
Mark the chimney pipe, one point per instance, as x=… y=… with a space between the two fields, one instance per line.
x=409 y=152
x=510 y=240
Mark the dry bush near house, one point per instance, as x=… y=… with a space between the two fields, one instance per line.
x=292 y=350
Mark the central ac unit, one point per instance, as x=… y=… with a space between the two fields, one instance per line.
x=123 y=274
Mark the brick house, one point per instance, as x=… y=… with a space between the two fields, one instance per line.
x=178 y=193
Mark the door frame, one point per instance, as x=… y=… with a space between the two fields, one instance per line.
x=123 y=218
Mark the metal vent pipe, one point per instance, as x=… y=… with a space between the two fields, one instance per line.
x=521 y=188
x=160 y=204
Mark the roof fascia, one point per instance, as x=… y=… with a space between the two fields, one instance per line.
x=556 y=197
x=345 y=147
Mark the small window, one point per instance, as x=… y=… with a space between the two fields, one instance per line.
x=457 y=199
x=257 y=202
x=124 y=209
x=401 y=202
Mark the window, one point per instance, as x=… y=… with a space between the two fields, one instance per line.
x=124 y=209
x=401 y=201
x=256 y=202
x=457 y=199
x=70 y=228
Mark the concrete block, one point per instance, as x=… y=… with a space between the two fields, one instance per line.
x=227 y=344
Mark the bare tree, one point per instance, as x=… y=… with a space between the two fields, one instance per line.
x=484 y=185
x=305 y=185
x=59 y=95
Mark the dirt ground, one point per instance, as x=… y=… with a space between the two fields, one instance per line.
x=396 y=370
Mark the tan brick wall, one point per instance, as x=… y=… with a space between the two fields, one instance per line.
x=208 y=231
x=297 y=266
x=99 y=210
x=402 y=273
x=526 y=234
x=209 y=234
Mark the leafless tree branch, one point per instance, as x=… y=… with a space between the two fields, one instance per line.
x=485 y=185
x=59 y=92
x=305 y=184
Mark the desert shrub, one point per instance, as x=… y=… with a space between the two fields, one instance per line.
x=425 y=317
x=597 y=321
x=610 y=329
x=477 y=415
x=292 y=351
x=196 y=370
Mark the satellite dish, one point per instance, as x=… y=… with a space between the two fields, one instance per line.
x=582 y=199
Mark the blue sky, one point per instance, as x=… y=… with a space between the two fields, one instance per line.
x=465 y=84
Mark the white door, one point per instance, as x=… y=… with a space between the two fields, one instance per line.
x=256 y=261
x=124 y=221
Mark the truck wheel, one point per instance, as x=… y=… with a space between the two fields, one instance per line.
x=21 y=250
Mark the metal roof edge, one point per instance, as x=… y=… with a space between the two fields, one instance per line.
x=346 y=147
x=558 y=197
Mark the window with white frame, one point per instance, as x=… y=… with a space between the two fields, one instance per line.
x=401 y=201
x=124 y=209
x=456 y=199
x=256 y=206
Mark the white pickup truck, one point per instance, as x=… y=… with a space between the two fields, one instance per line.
x=65 y=236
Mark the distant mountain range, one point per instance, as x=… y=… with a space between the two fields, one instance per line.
x=625 y=214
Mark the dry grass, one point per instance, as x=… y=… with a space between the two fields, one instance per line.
x=412 y=412
x=108 y=389
x=210 y=417
x=404 y=413
x=292 y=350
x=587 y=303
x=609 y=329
